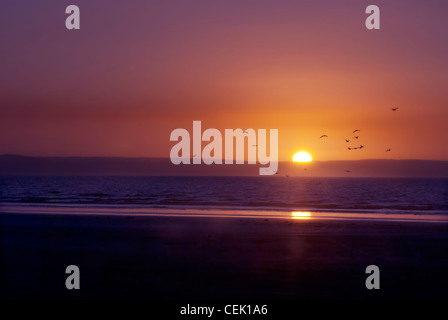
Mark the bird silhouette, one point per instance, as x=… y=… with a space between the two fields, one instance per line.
x=347 y=171
x=349 y=148
x=357 y=130
x=395 y=109
x=346 y=140
x=323 y=136
x=357 y=137
x=387 y=150
x=361 y=146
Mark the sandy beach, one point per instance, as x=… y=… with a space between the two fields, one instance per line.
x=218 y=258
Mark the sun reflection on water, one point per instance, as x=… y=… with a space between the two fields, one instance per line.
x=301 y=215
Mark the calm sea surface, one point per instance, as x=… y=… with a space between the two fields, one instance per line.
x=417 y=196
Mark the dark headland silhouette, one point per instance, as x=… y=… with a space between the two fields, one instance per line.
x=16 y=165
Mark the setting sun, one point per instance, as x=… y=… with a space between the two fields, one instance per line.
x=302 y=157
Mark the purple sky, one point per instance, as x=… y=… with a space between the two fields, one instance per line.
x=136 y=70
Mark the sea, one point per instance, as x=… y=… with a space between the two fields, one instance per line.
x=415 y=196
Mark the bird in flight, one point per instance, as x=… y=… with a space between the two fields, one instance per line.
x=356 y=137
x=323 y=136
x=387 y=150
x=349 y=148
x=395 y=109
x=361 y=146
x=357 y=130
x=346 y=140
x=347 y=171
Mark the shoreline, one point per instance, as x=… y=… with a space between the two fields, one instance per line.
x=111 y=210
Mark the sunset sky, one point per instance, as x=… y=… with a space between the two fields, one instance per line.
x=136 y=70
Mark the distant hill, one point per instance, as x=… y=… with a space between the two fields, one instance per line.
x=371 y=168
x=16 y=165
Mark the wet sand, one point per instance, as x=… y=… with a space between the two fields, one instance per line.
x=220 y=258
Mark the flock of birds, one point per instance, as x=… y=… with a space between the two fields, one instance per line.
x=348 y=140
x=357 y=137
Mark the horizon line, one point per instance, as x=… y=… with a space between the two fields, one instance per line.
x=191 y=158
